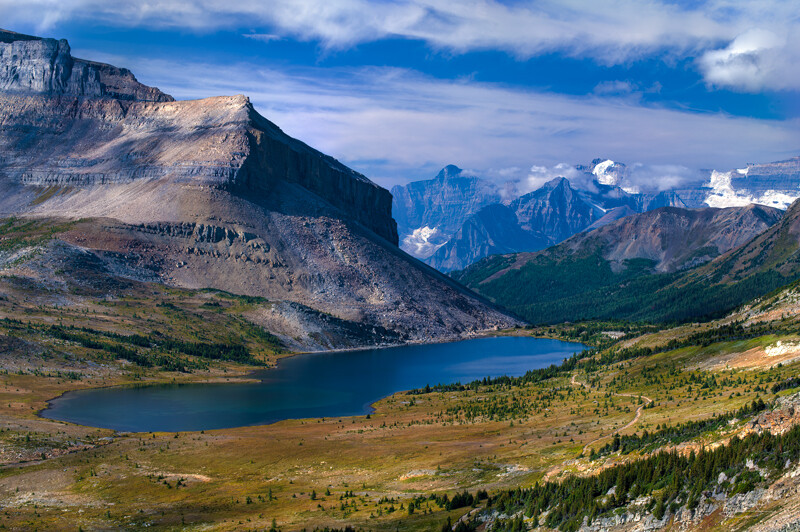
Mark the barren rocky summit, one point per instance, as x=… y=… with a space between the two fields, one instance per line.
x=208 y=193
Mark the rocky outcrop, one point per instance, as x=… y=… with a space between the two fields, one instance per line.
x=33 y=64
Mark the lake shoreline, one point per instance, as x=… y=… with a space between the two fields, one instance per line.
x=293 y=390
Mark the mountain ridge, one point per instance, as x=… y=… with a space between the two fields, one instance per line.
x=661 y=265
x=608 y=190
x=427 y=219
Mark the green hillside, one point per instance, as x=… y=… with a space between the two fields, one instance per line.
x=566 y=284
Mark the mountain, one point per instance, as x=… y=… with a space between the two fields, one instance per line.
x=556 y=210
x=533 y=221
x=206 y=194
x=774 y=252
x=607 y=186
x=776 y=184
x=429 y=212
x=662 y=265
x=542 y=218
x=32 y=64
x=492 y=230
x=440 y=220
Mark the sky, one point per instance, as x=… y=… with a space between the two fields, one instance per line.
x=514 y=90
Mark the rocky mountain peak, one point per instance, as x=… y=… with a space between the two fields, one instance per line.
x=448 y=172
x=557 y=189
x=31 y=64
x=557 y=183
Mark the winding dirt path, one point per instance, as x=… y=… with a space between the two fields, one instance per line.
x=624 y=427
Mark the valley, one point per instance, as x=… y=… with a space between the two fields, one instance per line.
x=485 y=436
x=272 y=342
x=665 y=265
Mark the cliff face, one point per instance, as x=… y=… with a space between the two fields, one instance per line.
x=208 y=193
x=33 y=64
x=219 y=142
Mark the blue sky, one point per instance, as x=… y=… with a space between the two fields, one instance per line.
x=398 y=89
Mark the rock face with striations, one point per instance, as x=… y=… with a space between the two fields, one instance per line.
x=208 y=193
x=30 y=63
x=430 y=212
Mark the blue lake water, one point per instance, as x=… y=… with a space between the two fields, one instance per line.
x=331 y=384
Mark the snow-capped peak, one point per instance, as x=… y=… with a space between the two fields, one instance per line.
x=601 y=173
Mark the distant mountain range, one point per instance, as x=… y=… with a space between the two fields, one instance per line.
x=669 y=264
x=455 y=219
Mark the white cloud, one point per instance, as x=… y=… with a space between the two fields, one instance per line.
x=659 y=177
x=264 y=37
x=754 y=60
x=611 y=31
x=397 y=125
x=614 y=87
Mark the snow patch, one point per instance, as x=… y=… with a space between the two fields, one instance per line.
x=423 y=242
x=724 y=195
x=722 y=192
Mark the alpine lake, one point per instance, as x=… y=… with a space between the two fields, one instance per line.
x=316 y=385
